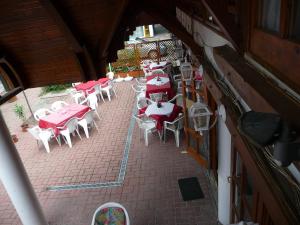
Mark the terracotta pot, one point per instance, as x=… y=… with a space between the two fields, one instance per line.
x=14 y=138
x=24 y=127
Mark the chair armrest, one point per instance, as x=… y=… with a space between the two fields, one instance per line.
x=84 y=101
x=177 y=77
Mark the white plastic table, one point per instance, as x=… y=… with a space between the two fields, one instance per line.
x=157 y=66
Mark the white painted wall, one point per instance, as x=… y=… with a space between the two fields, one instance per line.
x=151 y=30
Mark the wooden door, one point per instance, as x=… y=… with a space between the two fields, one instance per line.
x=203 y=147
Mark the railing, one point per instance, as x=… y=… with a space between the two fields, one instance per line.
x=133 y=55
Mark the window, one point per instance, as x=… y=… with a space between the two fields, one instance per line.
x=295 y=20
x=270 y=15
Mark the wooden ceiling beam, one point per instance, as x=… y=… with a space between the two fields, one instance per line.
x=283 y=104
x=117 y=41
x=64 y=28
x=114 y=26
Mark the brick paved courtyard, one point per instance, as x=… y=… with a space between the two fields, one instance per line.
x=148 y=190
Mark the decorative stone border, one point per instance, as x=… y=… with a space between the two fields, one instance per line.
x=110 y=184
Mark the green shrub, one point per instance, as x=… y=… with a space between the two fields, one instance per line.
x=56 y=88
x=19 y=111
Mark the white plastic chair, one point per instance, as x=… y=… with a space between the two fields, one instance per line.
x=58 y=105
x=119 y=79
x=110 y=75
x=98 y=91
x=74 y=84
x=139 y=90
x=77 y=96
x=177 y=99
x=108 y=87
x=87 y=121
x=158 y=71
x=40 y=113
x=156 y=97
x=174 y=126
x=147 y=125
x=69 y=128
x=147 y=71
x=110 y=205
x=44 y=136
x=128 y=78
x=141 y=80
x=92 y=102
x=143 y=102
x=168 y=69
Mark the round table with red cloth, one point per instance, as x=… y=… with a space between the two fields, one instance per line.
x=59 y=118
x=166 y=88
x=161 y=118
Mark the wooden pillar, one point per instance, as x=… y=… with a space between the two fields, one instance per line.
x=102 y=67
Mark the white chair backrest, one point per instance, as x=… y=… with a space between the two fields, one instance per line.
x=40 y=113
x=168 y=69
x=143 y=102
x=97 y=88
x=179 y=122
x=92 y=100
x=138 y=88
x=74 y=92
x=158 y=71
x=88 y=116
x=141 y=80
x=74 y=84
x=110 y=75
x=58 y=105
x=178 y=96
x=111 y=205
x=34 y=131
x=156 y=97
x=139 y=121
x=71 y=124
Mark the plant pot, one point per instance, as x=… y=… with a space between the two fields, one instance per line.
x=24 y=127
x=14 y=138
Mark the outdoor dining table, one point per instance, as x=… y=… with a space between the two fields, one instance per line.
x=167 y=112
x=154 y=86
x=59 y=118
x=160 y=65
x=90 y=84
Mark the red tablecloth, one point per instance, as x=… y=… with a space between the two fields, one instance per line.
x=161 y=118
x=161 y=88
x=58 y=119
x=90 y=84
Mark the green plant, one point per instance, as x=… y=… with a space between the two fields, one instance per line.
x=19 y=111
x=55 y=88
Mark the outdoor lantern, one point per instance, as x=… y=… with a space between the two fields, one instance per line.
x=186 y=71
x=200 y=114
x=179 y=53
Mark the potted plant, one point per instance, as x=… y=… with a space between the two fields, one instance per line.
x=14 y=138
x=19 y=111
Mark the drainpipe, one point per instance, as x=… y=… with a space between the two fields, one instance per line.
x=224 y=167
x=16 y=182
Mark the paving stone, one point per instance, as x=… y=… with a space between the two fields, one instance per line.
x=149 y=191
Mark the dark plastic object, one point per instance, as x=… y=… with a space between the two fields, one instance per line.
x=261 y=129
